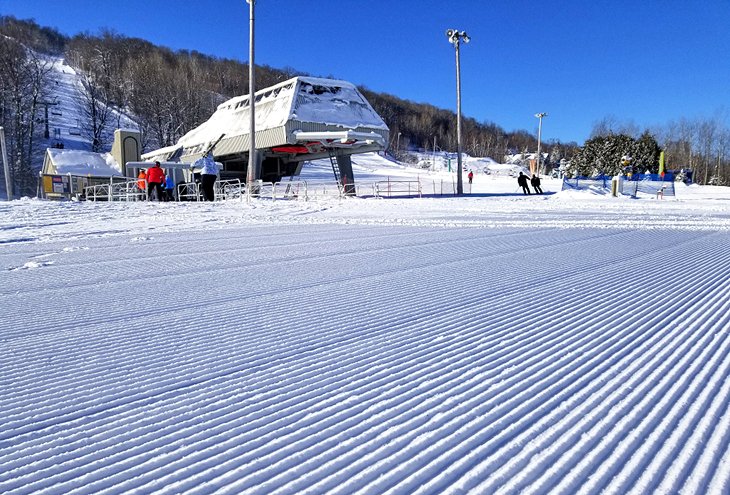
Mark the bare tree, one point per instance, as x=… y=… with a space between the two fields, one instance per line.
x=23 y=79
x=97 y=113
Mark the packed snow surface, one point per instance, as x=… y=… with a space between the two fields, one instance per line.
x=492 y=343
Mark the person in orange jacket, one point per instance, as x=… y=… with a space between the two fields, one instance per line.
x=155 y=179
x=142 y=181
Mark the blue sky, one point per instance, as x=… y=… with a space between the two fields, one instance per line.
x=645 y=62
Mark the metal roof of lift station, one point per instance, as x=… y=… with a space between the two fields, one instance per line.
x=301 y=119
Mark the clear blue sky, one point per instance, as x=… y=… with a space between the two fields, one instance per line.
x=647 y=62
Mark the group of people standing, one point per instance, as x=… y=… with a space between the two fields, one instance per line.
x=534 y=181
x=157 y=183
x=154 y=181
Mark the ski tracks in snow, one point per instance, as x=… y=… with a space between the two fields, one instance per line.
x=369 y=359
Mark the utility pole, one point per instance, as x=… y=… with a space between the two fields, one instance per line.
x=252 y=172
x=539 y=132
x=434 y=154
x=455 y=37
x=6 y=166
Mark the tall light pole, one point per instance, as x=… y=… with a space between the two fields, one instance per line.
x=434 y=154
x=6 y=166
x=455 y=37
x=252 y=172
x=539 y=135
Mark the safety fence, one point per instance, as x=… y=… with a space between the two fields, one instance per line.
x=130 y=189
x=659 y=188
x=439 y=187
x=228 y=189
x=127 y=190
x=307 y=190
x=394 y=188
x=646 y=184
x=188 y=191
x=587 y=183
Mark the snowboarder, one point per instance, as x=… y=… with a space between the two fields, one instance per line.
x=535 y=181
x=155 y=179
x=522 y=181
x=470 y=176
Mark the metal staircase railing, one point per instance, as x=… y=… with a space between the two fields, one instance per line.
x=335 y=166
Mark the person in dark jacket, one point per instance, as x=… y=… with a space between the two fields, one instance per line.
x=522 y=181
x=155 y=179
x=535 y=181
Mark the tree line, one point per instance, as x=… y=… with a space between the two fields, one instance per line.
x=700 y=144
x=167 y=93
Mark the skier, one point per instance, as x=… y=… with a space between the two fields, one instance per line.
x=209 y=173
x=535 y=181
x=522 y=181
x=471 y=176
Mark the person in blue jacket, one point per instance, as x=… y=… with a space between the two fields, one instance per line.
x=170 y=187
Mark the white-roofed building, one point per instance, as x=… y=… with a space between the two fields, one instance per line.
x=298 y=120
x=66 y=173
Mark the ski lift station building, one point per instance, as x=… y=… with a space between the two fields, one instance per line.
x=298 y=120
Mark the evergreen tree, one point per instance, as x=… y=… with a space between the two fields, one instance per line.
x=645 y=154
x=604 y=155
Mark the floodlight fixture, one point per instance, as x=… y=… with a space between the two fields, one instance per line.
x=454 y=36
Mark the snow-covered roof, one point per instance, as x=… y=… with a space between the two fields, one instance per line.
x=298 y=104
x=79 y=162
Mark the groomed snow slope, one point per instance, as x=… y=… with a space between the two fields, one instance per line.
x=567 y=343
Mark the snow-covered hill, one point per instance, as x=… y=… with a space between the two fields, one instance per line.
x=564 y=343
x=66 y=119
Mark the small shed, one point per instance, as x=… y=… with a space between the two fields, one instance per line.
x=66 y=173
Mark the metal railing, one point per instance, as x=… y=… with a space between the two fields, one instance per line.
x=306 y=190
x=440 y=187
x=188 y=191
x=233 y=189
x=314 y=189
x=228 y=189
x=259 y=189
x=289 y=190
x=127 y=190
x=390 y=188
